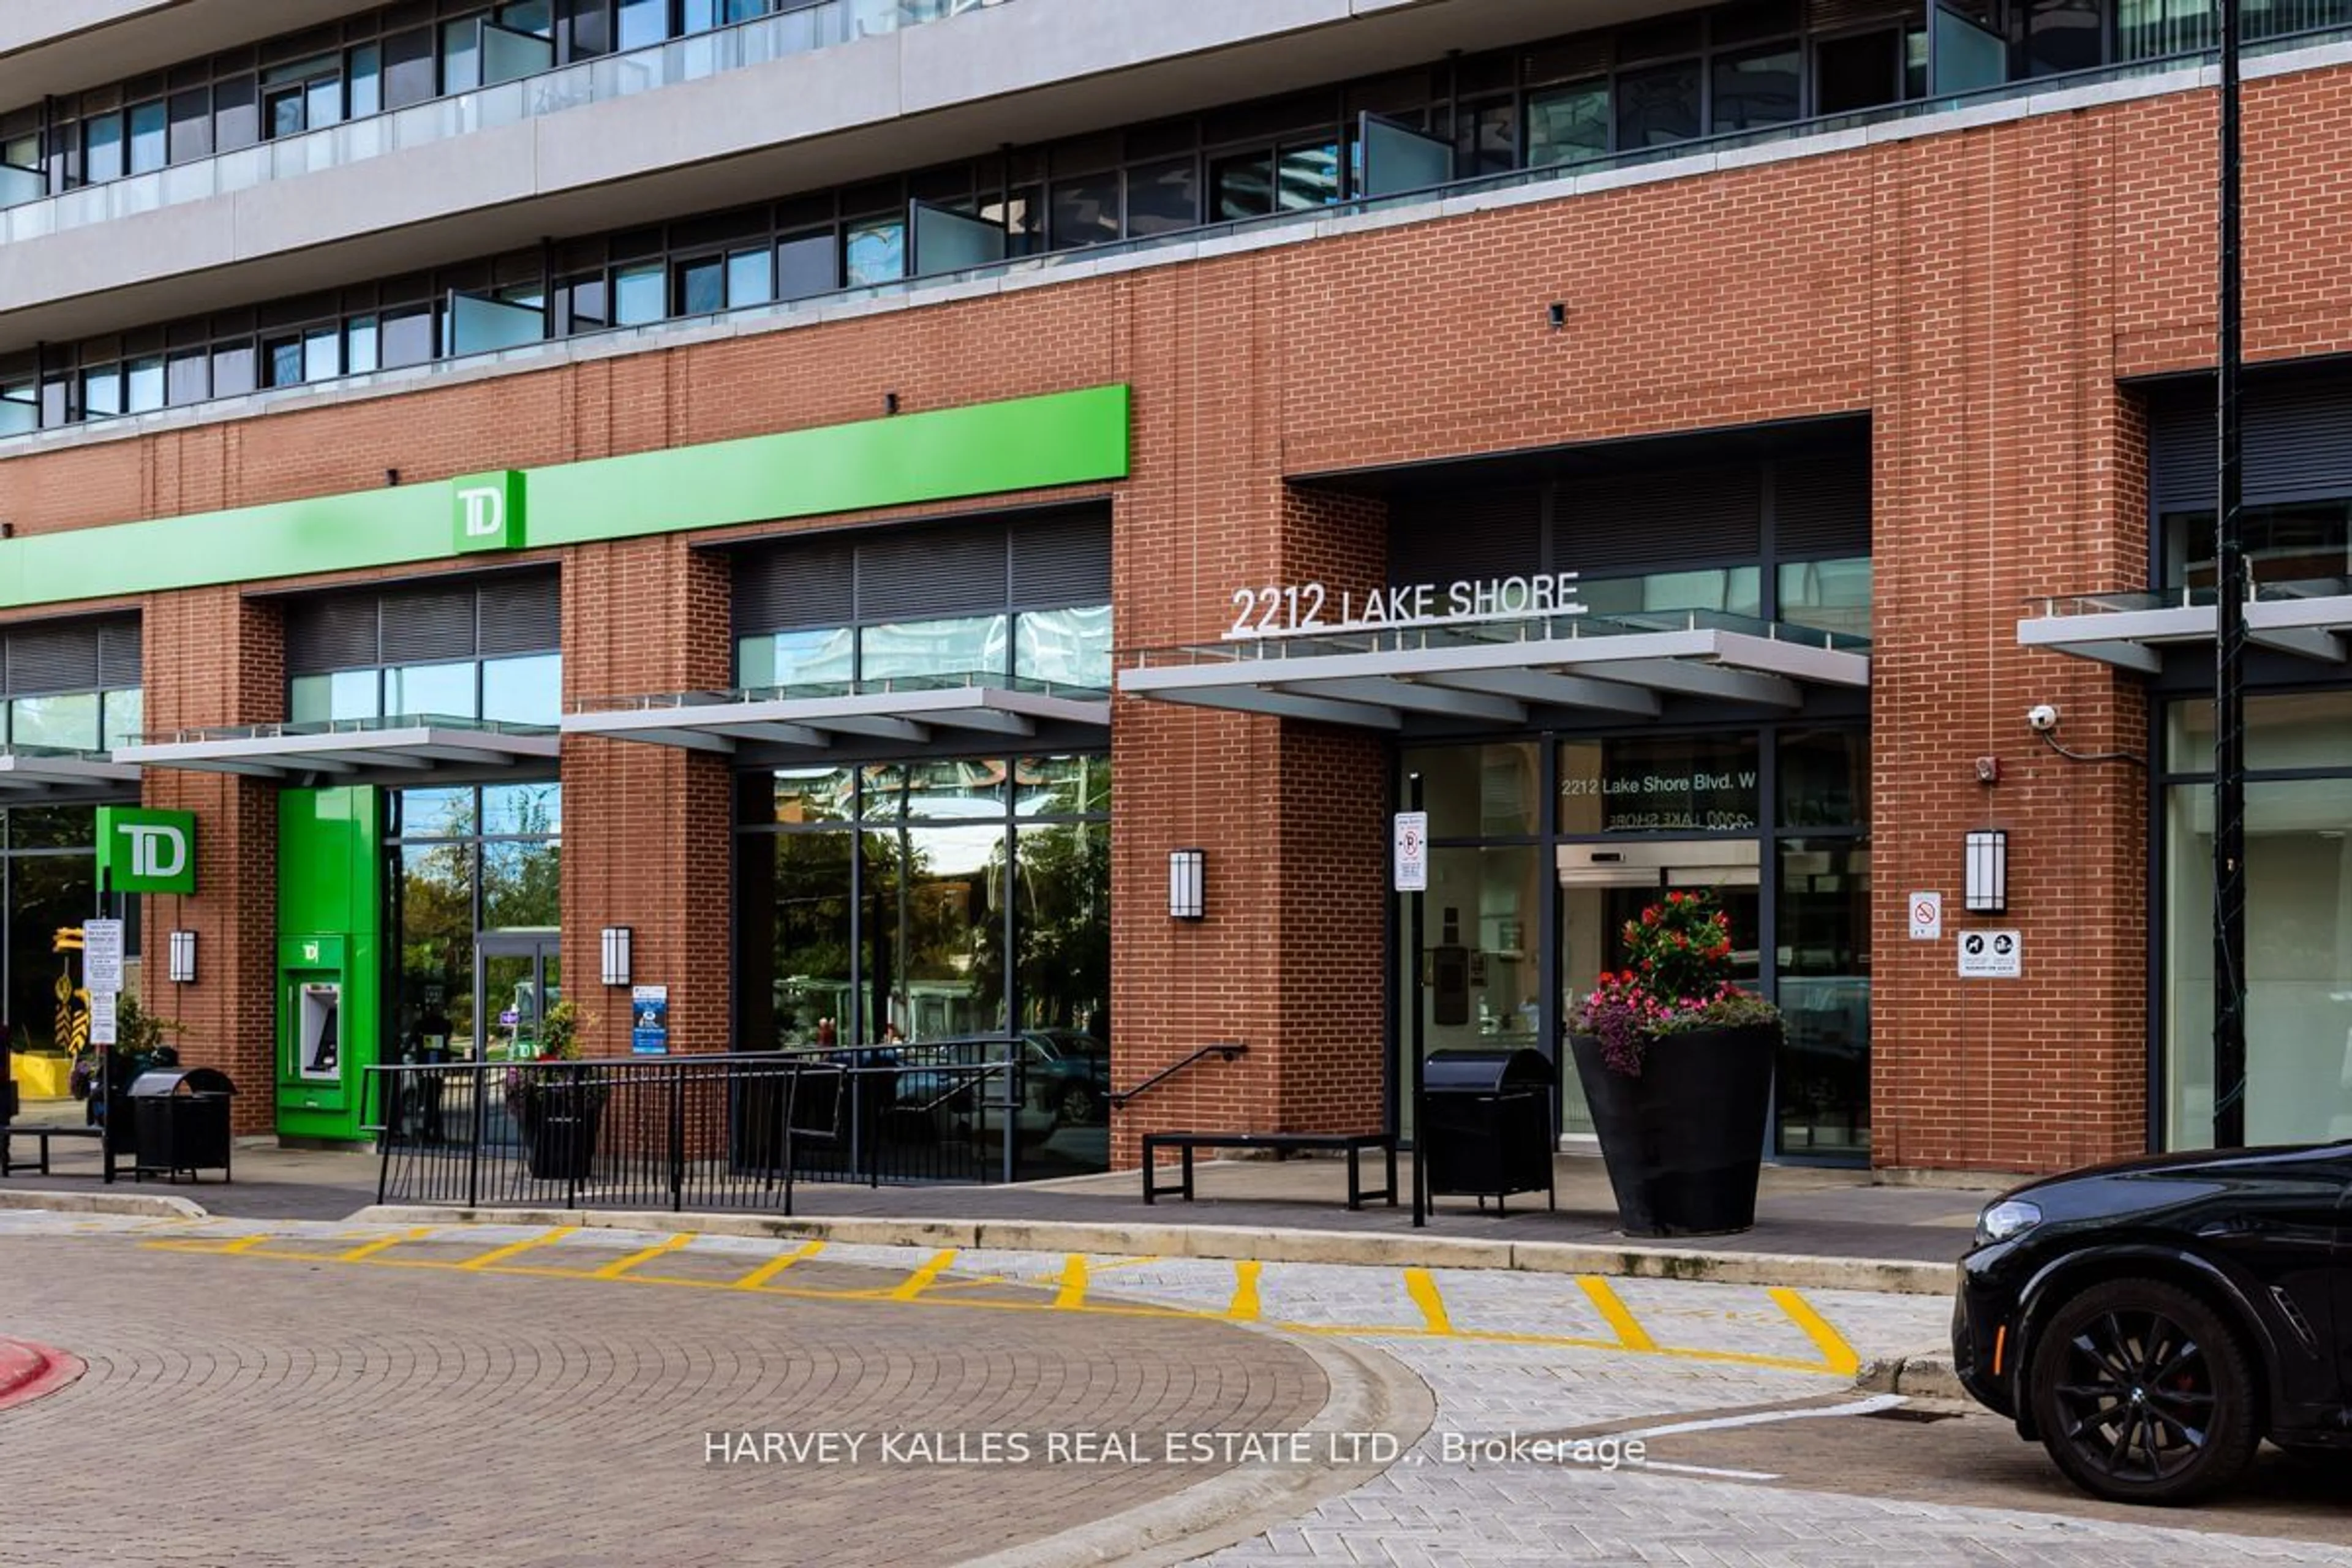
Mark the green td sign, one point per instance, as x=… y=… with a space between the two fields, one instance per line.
x=142 y=851
x=489 y=511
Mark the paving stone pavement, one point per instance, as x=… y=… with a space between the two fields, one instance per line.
x=260 y=1412
x=429 y=1414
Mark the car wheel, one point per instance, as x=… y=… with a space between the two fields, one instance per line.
x=1078 y=1107
x=2143 y=1394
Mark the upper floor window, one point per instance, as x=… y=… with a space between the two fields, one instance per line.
x=489 y=651
x=71 y=686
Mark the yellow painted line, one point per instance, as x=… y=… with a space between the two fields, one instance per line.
x=774 y=1267
x=1244 y=1307
x=920 y=1280
x=1630 y=1334
x=247 y=1243
x=1837 y=1355
x=1072 y=1297
x=1424 y=1291
x=383 y=1244
x=621 y=1265
x=516 y=1249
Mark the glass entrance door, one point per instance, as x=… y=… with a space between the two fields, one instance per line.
x=1603 y=886
x=518 y=976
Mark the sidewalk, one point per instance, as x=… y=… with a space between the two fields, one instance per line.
x=1808 y=1212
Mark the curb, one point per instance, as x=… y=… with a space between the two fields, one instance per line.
x=1920 y=1374
x=143 y=1205
x=1371 y=1393
x=1795 y=1270
x=28 y=1370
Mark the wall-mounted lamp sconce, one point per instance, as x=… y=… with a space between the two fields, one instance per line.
x=1188 y=884
x=617 y=955
x=184 y=957
x=1987 y=871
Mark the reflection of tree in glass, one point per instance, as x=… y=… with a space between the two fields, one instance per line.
x=1060 y=926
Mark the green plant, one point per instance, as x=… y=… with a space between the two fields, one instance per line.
x=1678 y=978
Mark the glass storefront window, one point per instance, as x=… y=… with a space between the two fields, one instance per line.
x=1481 y=978
x=2290 y=730
x=1731 y=590
x=528 y=690
x=1066 y=647
x=1825 y=778
x=946 y=649
x=126 y=715
x=1479 y=792
x=67 y=720
x=1076 y=785
x=438 y=691
x=1824 y=961
x=527 y=809
x=432 y=812
x=2302 y=541
x=343 y=695
x=1658 y=784
x=2298 y=962
x=825 y=658
x=930 y=894
x=51 y=889
x=522 y=884
x=1834 y=596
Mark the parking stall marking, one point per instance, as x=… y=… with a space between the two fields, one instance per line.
x=1523 y=1309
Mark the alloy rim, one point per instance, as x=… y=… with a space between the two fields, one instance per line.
x=2136 y=1396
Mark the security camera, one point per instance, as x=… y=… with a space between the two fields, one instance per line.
x=2041 y=716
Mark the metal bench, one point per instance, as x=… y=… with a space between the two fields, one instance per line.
x=9 y=1133
x=1352 y=1143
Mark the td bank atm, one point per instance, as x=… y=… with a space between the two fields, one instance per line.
x=329 y=960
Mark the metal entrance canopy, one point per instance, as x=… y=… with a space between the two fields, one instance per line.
x=2307 y=618
x=31 y=775
x=406 y=742
x=1497 y=671
x=815 y=717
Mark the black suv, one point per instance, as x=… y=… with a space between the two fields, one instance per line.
x=2152 y=1321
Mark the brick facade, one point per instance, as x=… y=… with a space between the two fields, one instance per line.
x=1982 y=294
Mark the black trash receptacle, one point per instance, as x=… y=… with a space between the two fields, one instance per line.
x=1485 y=1128
x=180 y=1120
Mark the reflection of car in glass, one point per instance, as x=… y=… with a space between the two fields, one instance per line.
x=1064 y=1081
x=2152 y=1321
x=1069 y=1070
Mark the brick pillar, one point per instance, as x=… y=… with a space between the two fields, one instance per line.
x=647 y=836
x=2007 y=466
x=1289 y=959
x=214 y=657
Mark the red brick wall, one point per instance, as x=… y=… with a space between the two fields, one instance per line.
x=213 y=657
x=1977 y=293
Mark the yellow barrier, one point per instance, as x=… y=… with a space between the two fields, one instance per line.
x=41 y=1077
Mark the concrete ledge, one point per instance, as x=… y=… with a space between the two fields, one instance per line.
x=1920 y=1374
x=145 y=1206
x=1262 y=1244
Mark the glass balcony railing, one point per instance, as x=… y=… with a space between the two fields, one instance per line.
x=803 y=30
x=870 y=686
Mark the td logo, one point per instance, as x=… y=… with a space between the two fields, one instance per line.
x=142 y=851
x=488 y=511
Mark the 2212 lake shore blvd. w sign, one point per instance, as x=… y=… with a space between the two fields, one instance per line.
x=1294 y=609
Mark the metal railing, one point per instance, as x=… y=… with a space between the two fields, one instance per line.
x=721 y=1132
x=1227 y=1050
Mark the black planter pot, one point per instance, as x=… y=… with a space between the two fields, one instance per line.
x=1684 y=1142
x=559 y=1132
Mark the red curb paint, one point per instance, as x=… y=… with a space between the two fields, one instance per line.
x=29 y=1371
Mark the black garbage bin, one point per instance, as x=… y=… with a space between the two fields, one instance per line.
x=180 y=1122
x=1485 y=1128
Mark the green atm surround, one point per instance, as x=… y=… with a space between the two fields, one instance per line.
x=329 y=1001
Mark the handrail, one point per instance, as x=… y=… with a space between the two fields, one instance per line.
x=1228 y=1050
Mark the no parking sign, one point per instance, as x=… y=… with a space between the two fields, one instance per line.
x=1412 y=851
